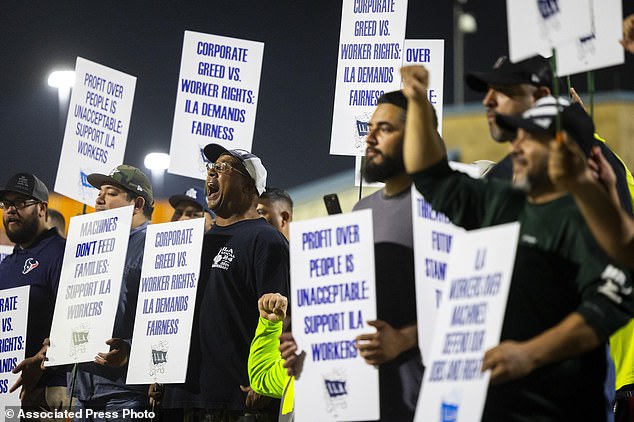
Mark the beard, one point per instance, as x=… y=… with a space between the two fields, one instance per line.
x=390 y=167
x=25 y=231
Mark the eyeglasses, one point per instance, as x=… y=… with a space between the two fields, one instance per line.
x=222 y=167
x=21 y=204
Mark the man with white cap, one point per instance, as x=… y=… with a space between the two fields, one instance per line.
x=243 y=257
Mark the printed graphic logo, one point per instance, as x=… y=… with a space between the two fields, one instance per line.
x=191 y=192
x=29 y=265
x=615 y=284
x=158 y=358
x=223 y=259
x=547 y=8
x=83 y=177
x=336 y=387
x=449 y=406
x=549 y=20
x=361 y=131
x=79 y=339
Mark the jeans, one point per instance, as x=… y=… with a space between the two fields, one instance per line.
x=117 y=409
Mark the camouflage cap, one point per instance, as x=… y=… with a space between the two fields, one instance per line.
x=127 y=177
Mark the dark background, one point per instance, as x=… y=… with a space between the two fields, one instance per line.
x=144 y=38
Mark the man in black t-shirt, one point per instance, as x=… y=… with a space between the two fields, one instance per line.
x=243 y=257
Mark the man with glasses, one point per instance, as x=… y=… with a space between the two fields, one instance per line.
x=243 y=258
x=36 y=261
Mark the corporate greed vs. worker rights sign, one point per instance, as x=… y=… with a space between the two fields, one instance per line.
x=216 y=99
x=469 y=322
x=333 y=295
x=14 y=309
x=89 y=285
x=370 y=56
x=96 y=128
x=165 y=308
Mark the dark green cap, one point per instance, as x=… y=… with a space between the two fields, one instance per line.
x=127 y=177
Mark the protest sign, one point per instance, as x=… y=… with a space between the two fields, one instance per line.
x=89 y=285
x=96 y=129
x=370 y=55
x=216 y=100
x=431 y=54
x=537 y=26
x=14 y=311
x=434 y=236
x=5 y=250
x=333 y=295
x=469 y=322
x=598 y=48
x=165 y=308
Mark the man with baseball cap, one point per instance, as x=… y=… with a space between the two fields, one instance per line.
x=511 y=89
x=36 y=261
x=191 y=204
x=566 y=296
x=243 y=258
x=102 y=384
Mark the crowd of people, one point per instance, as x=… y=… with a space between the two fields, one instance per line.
x=566 y=351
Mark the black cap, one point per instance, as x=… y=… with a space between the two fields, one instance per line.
x=26 y=184
x=541 y=118
x=534 y=71
x=194 y=195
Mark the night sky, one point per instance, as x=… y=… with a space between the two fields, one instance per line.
x=144 y=38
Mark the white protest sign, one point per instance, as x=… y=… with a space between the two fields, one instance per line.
x=434 y=236
x=370 y=56
x=333 y=295
x=5 y=250
x=598 y=48
x=14 y=311
x=165 y=307
x=469 y=323
x=89 y=286
x=431 y=54
x=536 y=26
x=96 y=128
x=216 y=99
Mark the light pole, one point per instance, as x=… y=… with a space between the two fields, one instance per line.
x=63 y=80
x=463 y=23
x=157 y=163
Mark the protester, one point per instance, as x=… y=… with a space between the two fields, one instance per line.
x=565 y=298
x=393 y=347
x=594 y=190
x=190 y=204
x=102 y=384
x=36 y=261
x=512 y=88
x=56 y=219
x=243 y=258
x=267 y=375
x=276 y=207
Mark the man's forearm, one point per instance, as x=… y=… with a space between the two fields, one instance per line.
x=610 y=225
x=422 y=147
x=571 y=337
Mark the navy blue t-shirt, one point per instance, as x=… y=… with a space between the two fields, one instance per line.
x=38 y=266
x=241 y=262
